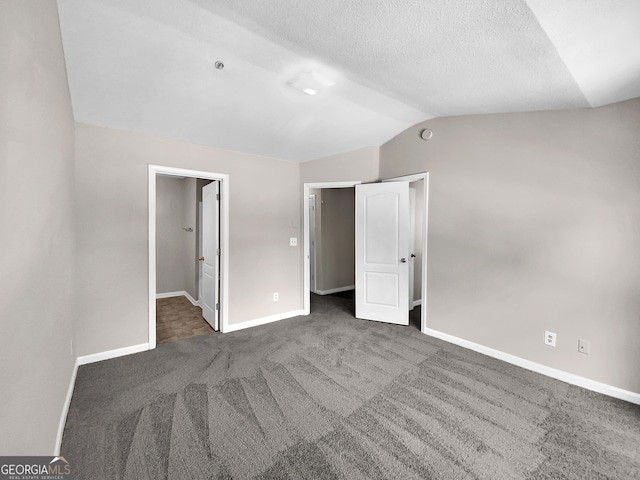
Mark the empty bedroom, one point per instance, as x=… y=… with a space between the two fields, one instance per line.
x=308 y=240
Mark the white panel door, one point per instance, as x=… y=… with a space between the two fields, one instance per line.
x=210 y=258
x=382 y=252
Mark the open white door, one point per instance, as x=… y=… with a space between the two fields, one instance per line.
x=210 y=258
x=382 y=252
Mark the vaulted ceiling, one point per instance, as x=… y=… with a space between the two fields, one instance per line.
x=148 y=65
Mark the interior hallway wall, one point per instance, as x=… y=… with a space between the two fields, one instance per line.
x=111 y=182
x=171 y=239
x=534 y=225
x=336 y=250
x=318 y=237
x=176 y=258
x=37 y=220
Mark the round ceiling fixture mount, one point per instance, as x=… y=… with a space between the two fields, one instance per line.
x=426 y=134
x=219 y=65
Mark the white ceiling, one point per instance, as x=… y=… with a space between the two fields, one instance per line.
x=148 y=65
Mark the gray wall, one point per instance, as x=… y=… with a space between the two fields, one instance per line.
x=361 y=164
x=534 y=225
x=318 y=234
x=170 y=236
x=336 y=248
x=176 y=258
x=37 y=222
x=111 y=182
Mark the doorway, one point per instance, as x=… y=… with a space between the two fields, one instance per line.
x=309 y=190
x=220 y=302
x=421 y=227
x=179 y=306
x=332 y=240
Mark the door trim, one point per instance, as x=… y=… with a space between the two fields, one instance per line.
x=224 y=241
x=306 y=253
x=425 y=230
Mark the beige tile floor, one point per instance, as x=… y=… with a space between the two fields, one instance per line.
x=177 y=318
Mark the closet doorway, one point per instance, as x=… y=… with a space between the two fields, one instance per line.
x=416 y=257
x=332 y=245
x=188 y=253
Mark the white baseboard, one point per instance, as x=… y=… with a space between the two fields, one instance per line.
x=170 y=294
x=118 y=352
x=65 y=409
x=335 y=290
x=570 y=378
x=192 y=300
x=262 y=321
x=181 y=293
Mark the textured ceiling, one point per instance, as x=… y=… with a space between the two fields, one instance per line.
x=599 y=41
x=147 y=65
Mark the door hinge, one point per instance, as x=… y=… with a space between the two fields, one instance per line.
x=217 y=196
x=219 y=252
x=217 y=306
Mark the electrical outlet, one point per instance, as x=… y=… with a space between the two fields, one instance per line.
x=584 y=346
x=550 y=338
x=293 y=242
x=275 y=296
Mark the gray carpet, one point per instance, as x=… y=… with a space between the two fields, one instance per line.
x=328 y=396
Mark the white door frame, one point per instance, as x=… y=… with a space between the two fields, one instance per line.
x=425 y=229
x=199 y=252
x=224 y=241
x=307 y=267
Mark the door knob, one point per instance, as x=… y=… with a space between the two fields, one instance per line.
x=413 y=255
x=403 y=260
x=201 y=259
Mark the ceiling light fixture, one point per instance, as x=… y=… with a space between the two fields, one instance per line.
x=311 y=83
